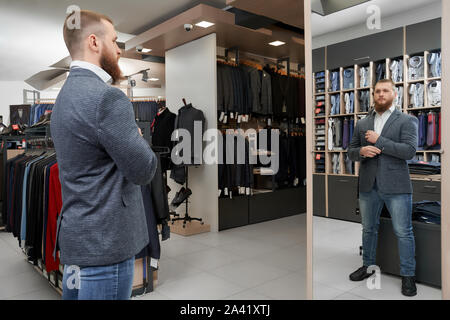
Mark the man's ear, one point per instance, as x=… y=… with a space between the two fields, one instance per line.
x=93 y=43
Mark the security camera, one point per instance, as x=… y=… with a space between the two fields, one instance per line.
x=188 y=27
x=139 y=48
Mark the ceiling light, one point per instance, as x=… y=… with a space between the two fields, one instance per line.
x=145 y=50
x=153 y=79
x=204 y=24
x=277 y=43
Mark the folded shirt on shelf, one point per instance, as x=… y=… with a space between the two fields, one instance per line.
x=423 y=167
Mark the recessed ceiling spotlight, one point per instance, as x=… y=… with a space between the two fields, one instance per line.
x=145 y=50
x=153 y=79
x=277 y=43
x=204 y=24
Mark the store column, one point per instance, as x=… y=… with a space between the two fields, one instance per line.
x=191 y=74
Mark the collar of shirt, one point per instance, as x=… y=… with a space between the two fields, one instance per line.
x=92 y=67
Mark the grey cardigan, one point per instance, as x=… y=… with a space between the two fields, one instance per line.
x=102 y=159
x=397 y=142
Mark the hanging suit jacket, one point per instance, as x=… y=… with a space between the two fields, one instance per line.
x=397 y=142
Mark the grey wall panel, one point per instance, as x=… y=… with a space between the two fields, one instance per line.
x=318 y=59
x=371 y=48
x=233 y=212
x=342 y=198
x=319 y=195
x=423 y=36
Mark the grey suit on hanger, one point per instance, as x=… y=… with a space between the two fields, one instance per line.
x=397 y=142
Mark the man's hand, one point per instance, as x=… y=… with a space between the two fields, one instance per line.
x=140 y=132
x=369 y=151
x=372 y=136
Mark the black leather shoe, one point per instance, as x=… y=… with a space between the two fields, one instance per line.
x=409 y=286
x=180 y=197
x=175 y=199
x=360 y=274
x=184 y=195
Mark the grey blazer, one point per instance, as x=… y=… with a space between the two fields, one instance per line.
x=397 y=142
x=102 y=159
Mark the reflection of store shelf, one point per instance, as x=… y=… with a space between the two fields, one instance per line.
x=433 y=177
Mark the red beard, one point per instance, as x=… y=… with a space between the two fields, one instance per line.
x=111 y=66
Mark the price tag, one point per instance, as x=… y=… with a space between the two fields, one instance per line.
x=247 y=191
x=222 y=114
x=318 y=156
x=220 y=192
x=231 y=115
x=239 y=119
x=154 y=263
x=269 y=122
x=225 y=191
x=296 y=120
x=225 y=119
x=303 y=120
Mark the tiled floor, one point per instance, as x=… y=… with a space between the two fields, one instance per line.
x=336 y=255
x=263 y=261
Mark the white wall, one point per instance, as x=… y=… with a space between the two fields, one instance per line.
x=432 y=11
x=191 y=74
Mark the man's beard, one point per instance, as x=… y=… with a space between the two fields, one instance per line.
x=383 y=107
x=111 y=66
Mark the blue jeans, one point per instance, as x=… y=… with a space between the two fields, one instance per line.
x=400 y=208
x=113 y=282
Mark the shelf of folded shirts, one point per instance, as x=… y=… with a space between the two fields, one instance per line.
x=430 y=177
x=341 y=115
x=416 y=81
x=423 y=108
x=364 y=88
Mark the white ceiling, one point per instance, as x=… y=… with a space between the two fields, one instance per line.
x=357 y=14
x=31 y=30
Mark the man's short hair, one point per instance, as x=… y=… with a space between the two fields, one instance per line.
x=90 y=22
x=386 y=81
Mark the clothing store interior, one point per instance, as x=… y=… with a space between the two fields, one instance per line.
x=273 y=94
